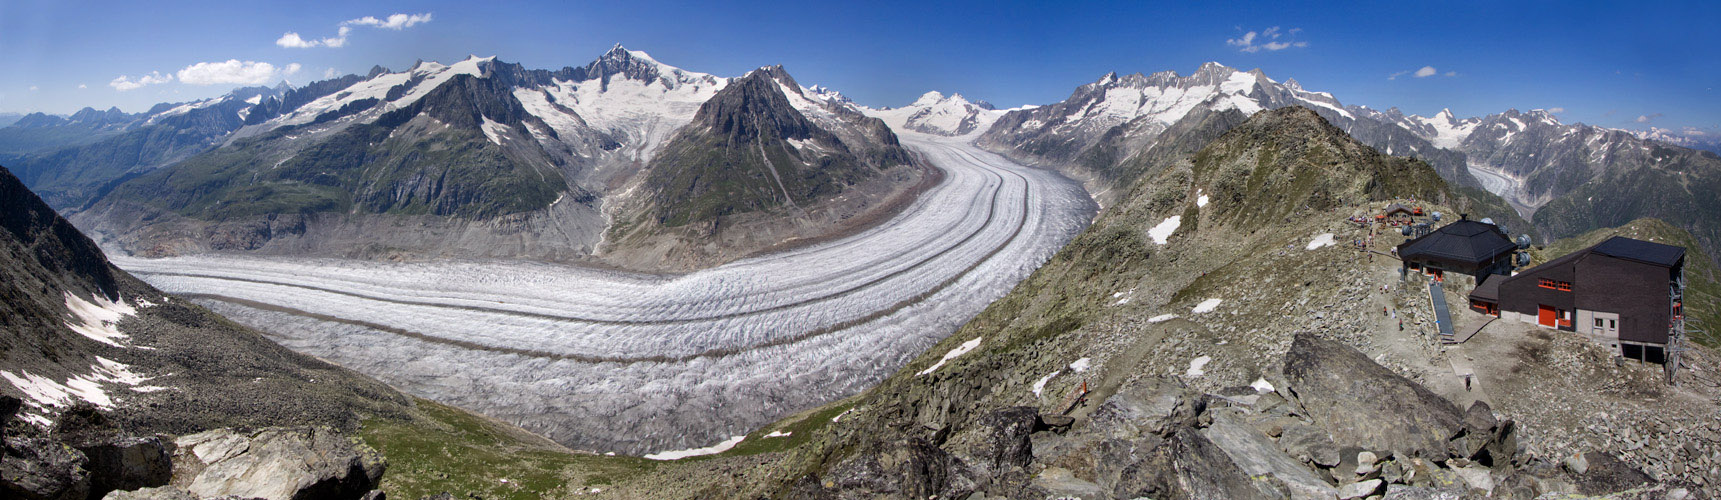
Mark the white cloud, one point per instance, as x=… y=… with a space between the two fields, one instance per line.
x=1270 y=39
x=122 y=83
x=1556 y=110
x=291 y=68
x=231 y=71
x=1423 y=72
x=330 y=73
x=1648 y=118
x=33 y=88
x=82 y=86
x=396 y=22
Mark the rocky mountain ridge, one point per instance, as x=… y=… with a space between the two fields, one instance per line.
x=510 y=162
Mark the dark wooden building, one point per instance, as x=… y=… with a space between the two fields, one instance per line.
x=1624 y=293
x=1464 y=246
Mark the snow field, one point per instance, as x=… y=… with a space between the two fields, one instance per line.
x=1196 y=365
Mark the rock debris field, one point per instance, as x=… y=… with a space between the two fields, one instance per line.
x=618 y=362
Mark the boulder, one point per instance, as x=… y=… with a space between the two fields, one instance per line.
x=1479 y=419
x=1055 y=423
x=1005 y=442
x=1363 y=404
x=1607 y=474
x=1258 y=456
x=1154 y=405
x=128 y=463
x=910 y=468
x=1310 y=444
x=1477 y=477
x=1360 y=489
x=1188 y=465
x=277 y=464
x=38 y=468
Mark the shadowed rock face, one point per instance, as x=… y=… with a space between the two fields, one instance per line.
x=1365 y=405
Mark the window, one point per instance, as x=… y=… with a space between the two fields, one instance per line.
x=1598 y=323
x=1564 y=286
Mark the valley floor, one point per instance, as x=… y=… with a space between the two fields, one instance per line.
x=635 y=364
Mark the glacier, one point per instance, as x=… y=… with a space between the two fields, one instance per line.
x=613 y=361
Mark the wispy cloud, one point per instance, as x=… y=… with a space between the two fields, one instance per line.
x=1556 y=110
x=1647 y=118
x=33 y=88
x=123 y=83
x=330 y=73
x=82 y=86
x=1423 y=72
x=396 y=22
x=234 y=71
x=1270 y=39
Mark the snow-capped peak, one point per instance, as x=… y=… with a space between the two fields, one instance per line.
x=928 y=99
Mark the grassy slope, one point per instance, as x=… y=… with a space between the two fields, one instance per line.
x=1703 y=279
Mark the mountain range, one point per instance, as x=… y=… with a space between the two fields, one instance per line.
x=483 y=158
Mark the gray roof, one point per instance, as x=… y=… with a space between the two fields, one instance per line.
x=1642 y=251
x=1461 y=241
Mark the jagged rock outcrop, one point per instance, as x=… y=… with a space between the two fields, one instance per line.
x=277 y=464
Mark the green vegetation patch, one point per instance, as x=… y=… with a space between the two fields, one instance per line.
x=445 y=449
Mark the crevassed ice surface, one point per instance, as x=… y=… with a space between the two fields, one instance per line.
x=611 y=361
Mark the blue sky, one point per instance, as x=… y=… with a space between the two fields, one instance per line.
x=1609 y=64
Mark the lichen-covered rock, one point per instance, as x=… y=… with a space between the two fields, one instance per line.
x=159 y=493
x=277 y=464
x=907 y=469
x=1310 y=444
x=1363 y=404
x=128 y=463
x=38 y=468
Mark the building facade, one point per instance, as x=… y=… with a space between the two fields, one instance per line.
x=1623 y=293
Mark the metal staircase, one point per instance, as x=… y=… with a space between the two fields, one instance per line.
x=1442 y=316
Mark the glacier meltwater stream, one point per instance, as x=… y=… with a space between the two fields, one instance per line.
x=634 y=364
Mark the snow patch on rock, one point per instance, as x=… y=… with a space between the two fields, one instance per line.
x=1322 y=240
x=695 y=452
x=1206 y=306
x=1163 y=231
x=958 y=351
x=99 y=319
x=1196 y=365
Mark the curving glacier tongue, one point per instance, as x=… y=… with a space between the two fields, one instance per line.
x=637 y=364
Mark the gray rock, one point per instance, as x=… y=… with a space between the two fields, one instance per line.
x=37 y=468
x=128 y=463
x=1479 y=419
x=1006 y=440
x=1151 y=406
x=161 y=493
x=1577 y=464
x=1310 y=444
x=1366 y=463
x=1058 y=482
x=1402 y=492
x=1258 y=456
x=911 y=468
x=277 y=464
x=1188 y=465
x=1360 y=489
x=1363 y=404
x=1477 y=477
